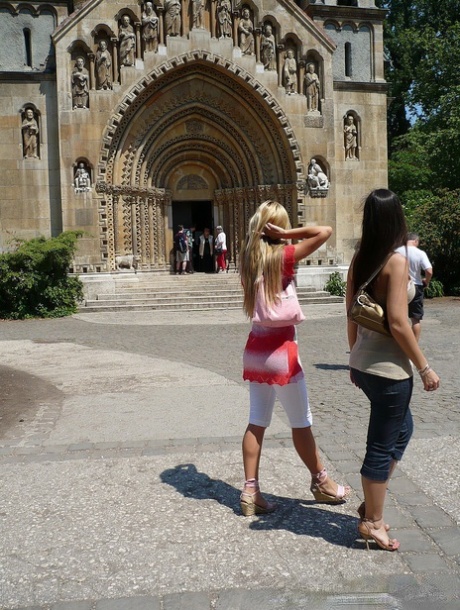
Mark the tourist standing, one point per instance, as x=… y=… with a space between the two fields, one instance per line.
x=206 y=251
x=181 y=247
x=220 y=247
x=380 y=365
x=418 y=263
x=271 y=360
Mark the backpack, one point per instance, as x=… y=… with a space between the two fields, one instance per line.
x=182 y=243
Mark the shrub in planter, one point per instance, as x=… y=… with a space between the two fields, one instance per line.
x=335 y=285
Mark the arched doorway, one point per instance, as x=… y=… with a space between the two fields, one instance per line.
x=202 y=139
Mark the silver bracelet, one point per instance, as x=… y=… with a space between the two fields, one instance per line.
x=426 y=369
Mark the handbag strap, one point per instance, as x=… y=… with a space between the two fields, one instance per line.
x=376 y=272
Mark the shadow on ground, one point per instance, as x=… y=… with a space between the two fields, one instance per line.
x=301 y=517
x=22 y=396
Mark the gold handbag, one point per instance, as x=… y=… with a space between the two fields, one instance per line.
x=366 y=312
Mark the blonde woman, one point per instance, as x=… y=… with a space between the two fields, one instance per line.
x=271 y=362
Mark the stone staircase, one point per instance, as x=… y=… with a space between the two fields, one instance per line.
x=194 y=292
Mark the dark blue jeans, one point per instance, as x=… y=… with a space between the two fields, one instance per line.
x=390 y=423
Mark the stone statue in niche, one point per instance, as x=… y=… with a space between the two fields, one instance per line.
x=173 y=19
x=103 y=66
x=351 y=138
x=127 y=41
x=82 y=180
x=317 y=179
x=290 y=73
x=224 y=18
x=80 y=84
x=246 y=31
x=150 y=28
x=197 y=13
x=312 y=88
x=268 y=48
x=29 y=130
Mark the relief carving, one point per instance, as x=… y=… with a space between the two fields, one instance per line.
x=351 y=138
x=173 y=17
x=197 y=13
x=29 y=130
x=268 y=48
x=312 y=88
x=290 y=73
x=82 y=179
x=246 y=32
x=103 y=66
x=150 y=28
x=224 y=18
x=127 y=41
x=80 y=84
x=317 y=180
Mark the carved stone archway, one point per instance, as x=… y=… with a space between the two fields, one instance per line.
x=199 y=109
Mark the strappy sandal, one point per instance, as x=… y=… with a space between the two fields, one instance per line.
x=366 y=530
x=317 y=489
x=247 y=503
x=361 y=510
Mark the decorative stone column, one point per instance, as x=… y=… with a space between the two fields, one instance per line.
x=213 y=18
x=280 y=64
x=92 y=74
x=235 y=27
x=161 y=25
x=257 y=32
x=137 y=25
x=302 y=65
x=186 y=12
x=116 y=74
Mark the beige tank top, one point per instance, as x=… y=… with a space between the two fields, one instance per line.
x=380 y=355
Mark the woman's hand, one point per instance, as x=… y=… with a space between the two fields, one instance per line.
x=430 y=381
x=273 y=231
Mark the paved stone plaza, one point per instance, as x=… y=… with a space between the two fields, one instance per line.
x=121 y=470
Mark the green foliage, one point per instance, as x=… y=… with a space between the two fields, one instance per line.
x=34 y=280
x=434 y=289
x=422 y=42
x=436 y=218
x=409 y=167
x=335 y=285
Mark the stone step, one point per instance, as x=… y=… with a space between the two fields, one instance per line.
x=182 y=294
x=190 y=292
x=188 y=305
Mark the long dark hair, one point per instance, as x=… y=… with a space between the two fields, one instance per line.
x=383 y=229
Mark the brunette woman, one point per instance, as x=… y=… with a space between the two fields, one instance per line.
x=381 y=365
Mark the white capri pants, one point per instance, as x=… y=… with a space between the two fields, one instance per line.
x=293 y=397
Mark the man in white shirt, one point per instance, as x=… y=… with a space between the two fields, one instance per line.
x=418 y=263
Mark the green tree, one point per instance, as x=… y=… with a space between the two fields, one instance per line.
x=34 y=280
x=422 y=39
x=436 y=218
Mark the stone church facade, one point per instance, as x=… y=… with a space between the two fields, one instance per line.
x=125 y=119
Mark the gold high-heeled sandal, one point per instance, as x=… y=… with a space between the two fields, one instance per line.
x=365 y=531
x=317 y=482
x=248 y=507
x=361 y=510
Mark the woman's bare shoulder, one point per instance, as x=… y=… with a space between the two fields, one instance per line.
x=396 y=264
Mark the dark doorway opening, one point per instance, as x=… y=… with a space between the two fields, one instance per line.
x=196 y=214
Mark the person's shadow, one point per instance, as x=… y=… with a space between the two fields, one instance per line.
x=323 y=366
x=299 y=516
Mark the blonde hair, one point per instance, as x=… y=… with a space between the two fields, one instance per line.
x=261 y=257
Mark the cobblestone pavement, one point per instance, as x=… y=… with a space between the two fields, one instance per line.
x=121 y=468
